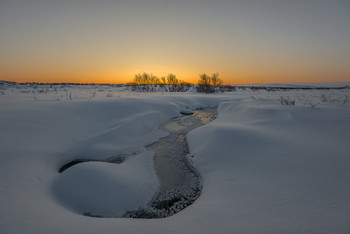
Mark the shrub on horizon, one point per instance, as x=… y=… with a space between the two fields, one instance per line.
x=209 y=84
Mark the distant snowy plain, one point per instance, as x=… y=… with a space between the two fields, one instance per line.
x=265 y=167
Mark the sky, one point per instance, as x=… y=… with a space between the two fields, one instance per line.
x=105 y=41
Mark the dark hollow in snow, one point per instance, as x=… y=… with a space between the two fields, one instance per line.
x=186 y=112
x=117 y=160
x=74 y=162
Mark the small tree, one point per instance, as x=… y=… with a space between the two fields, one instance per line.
x=172 y=80
x=209 y=84
x=204 y=83
x=163 y=80
x=215 y=80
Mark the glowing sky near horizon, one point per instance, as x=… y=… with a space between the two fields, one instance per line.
x=246 y=41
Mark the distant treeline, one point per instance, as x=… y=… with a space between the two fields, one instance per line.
x=146 y=82
x=170 y=83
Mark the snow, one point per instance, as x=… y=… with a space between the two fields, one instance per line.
x=266 y=167
x=305 y=85
x=105 y=189
x=283 y=169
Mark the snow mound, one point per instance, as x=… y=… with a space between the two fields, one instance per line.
x=106 y=189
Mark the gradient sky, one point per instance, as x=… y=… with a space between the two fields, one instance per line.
x=261 y=41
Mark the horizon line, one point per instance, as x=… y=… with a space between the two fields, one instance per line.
x=110 y=83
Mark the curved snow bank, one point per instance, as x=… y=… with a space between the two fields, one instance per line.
x=275 y=169
x=106 y=189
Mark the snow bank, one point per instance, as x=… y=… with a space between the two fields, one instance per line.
x=281 y=169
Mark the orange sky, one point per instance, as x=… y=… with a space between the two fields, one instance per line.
x=109 y=42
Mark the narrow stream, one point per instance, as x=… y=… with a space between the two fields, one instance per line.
x=180 y=183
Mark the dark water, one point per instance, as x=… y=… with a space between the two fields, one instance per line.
x=171 y=152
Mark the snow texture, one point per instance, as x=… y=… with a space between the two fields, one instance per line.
x=266 y=167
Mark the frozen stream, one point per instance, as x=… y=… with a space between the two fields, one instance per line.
x=171 y=164
x=179 y=183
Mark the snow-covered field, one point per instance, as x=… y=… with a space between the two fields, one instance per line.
x=266 y=167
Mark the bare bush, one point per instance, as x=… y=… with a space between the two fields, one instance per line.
x=324 y=98
x=287 y=101
x=148 y=83
x=215 y=80
x=92 y=95
x=209 y=84
x=68 y=95
x=346 y=100
x=226 y=88
x=146 y=78
x=35 y=98
x=175 y=85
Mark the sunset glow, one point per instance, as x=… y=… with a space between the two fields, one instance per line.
x=111 y=41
